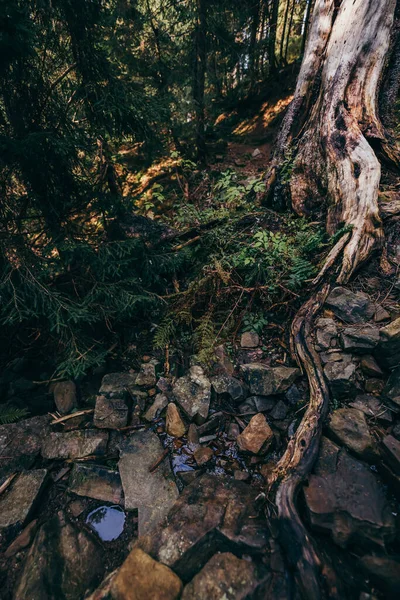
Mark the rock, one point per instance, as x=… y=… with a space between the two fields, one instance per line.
x=218 y=515
x=349 y=427
x=391 y=390
x=360 y=340
x=326 y=333
x=381 y=314
x=147 y=375
x=77 y=507
x=374 y=386
x=65 y=396
x=164 y=385
x=326 y=462
x=193 y=394
x=110 y=413
x=256 y=153
x=63 y=562
x=174 y=425
x=22 y=442
x=233 y=431
x=24 y=540
x=396 y=430
x=75 y=444
x=279 y=412
x=334 y=355
x=160 y=402
x=342 y=378
x=118 y=385
x=241 y=475
x=152 y=494
x=384 y=571
x=142 y=578
x=229 y=388
x=249 y=339
x=193 y=436
x=213 y=423
x=370 y=367
x=18 y=501
x=350 y=307
x=372 y=407
x=391 y=447
x=223 y=361
x=98 y=482
x=256 y=404
x=257 y=436
x=388 y=350
x=351 y=504
x=202 y=456
x=293 y=395
x=267 y=381
x=225 y=577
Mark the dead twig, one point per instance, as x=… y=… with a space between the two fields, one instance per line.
x=7 y=482
x=79 y=413
x=159 y=460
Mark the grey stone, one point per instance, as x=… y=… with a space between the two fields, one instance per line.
x=267 y=381
x=193 y=393
x=110 y=413
x=388 y=350
x=249 y=339
x=381 y=314
x=17 y=502
x=65 y=396
x=75 y=444
x=63 y=562
x=326 y=333
x=384 y=571
x=152 y=494
x=223 y=361
x=212 y=424
x=233 y=431
x=256 y=404
x=372 y=407
x=349 y=427
x=391 y=447
x=350 y=307
x=279 y=411
x=229 y=388
x=160 y=402
x=392 y=389
x=342 y=378
x=95 y=481
x=147 y=375
x=21 y=442
x=326 y=462
x=334 y=356
x=370 y=367
x=360 y=340
x=118 y=385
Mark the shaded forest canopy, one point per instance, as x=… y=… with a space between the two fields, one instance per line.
x=107 y=225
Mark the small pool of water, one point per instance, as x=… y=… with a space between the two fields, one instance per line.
x=107 y=521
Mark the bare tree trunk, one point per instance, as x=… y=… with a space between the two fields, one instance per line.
x=306 y=25
x=289 y=29
x=199 y=78
x=273 y=23
x=255 y=20
x=283 y=34
x=332 y=128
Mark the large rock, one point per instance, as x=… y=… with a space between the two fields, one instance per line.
x=229 y=388
x=65 y=396
x=152 y=494
x=21 y=443
x=160 y=402
x=95 y=481
x=392 y=389
x=384 y=571
x=326 y=333
x=63 y=562
x=256 y=404
x=75 y=444
x=267 y=381
x=388 y=350
x=391 y=447
x=18 y=501
x=226 y=577
x=372 y=407
x=193 y=393
x=110 y=413
x=249 y=339
x=212 y=514
x=350 y=307
x=350 y=503
x=350 y=428
x=118 y=385
x=174 y=425
x=360 y=340
x=147 y=375
x=257 y=436
x=342 y=378
x=142 y=578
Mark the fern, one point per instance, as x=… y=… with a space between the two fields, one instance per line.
x=301 y=270
x=10 y=414
x=205 y=339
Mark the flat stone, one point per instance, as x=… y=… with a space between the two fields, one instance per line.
x=98 y=482
x=21 y=442
x=75 y=444
x=229 y=388
x=174 y=425
x=372 y=407
x=202 y=456
x=117 y=385
x=18 y=501
x=193 y=393
x=218 y=514
x=257 y=436
x=249 y=339
x=350 y=307
x=65 y=396
x=374 y=386
x=233 y=431
x=193 y=436
x=326 y=333
x=360 y=340
x=326 y=462
x=147 y=375
x=110 y=413
x=141 y=577
x=388 y=350
x=342 y=378
x=224 y=363
x=152 y=494
x=279 y=412
x=391 y=447
x=256 y=404
x=267 y=381
x=392 y=389
x=334 y=356
x=370 y=367
x=241 y=475
x=213 y=423
x=384 y=571
x=63 y=562
x=225 y=577
x=381 y=314
x=350 y=428
x=351 y=504
x=24 y=540
x=160 y=402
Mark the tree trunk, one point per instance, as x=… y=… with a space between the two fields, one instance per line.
x=273 y=24
x=255 y=20
x=283 y=34
x=199 y=78
x=332 y=129
x=306 y=25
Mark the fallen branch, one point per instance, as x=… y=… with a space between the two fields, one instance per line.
x=79 y=413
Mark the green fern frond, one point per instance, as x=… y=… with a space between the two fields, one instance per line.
x=11 y=414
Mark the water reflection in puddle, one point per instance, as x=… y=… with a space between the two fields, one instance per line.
x=107 y=521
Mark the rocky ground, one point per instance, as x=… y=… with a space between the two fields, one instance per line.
x=157 y=491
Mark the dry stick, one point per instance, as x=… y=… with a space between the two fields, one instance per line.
x=7 y=482
x=159 y=461
x=79 y=413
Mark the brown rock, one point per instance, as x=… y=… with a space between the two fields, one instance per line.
x=370 y=367
x=257 y=436
x=349 y=427
x=17 y=502
x=374 y=386
x=391 y=447
x=202 y=456
x=160 y=402
x=249 y=339
x=110 y=413
x=23 y=540
x=75 y=444
x=21 y=442
x=65 y=396
x=383 y=571
x=142 y=578
x=96 y=481
x=174 y=424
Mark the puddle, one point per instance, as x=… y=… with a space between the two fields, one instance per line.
x=107 y=521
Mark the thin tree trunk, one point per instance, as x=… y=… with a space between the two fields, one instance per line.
x=289 y=29
x=283 y=34
x=199 y=79
x=273 y=24
x=306 y=26
x=255 y=20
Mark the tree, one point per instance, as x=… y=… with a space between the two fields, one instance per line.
x=333 y=138
x=200 y=77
